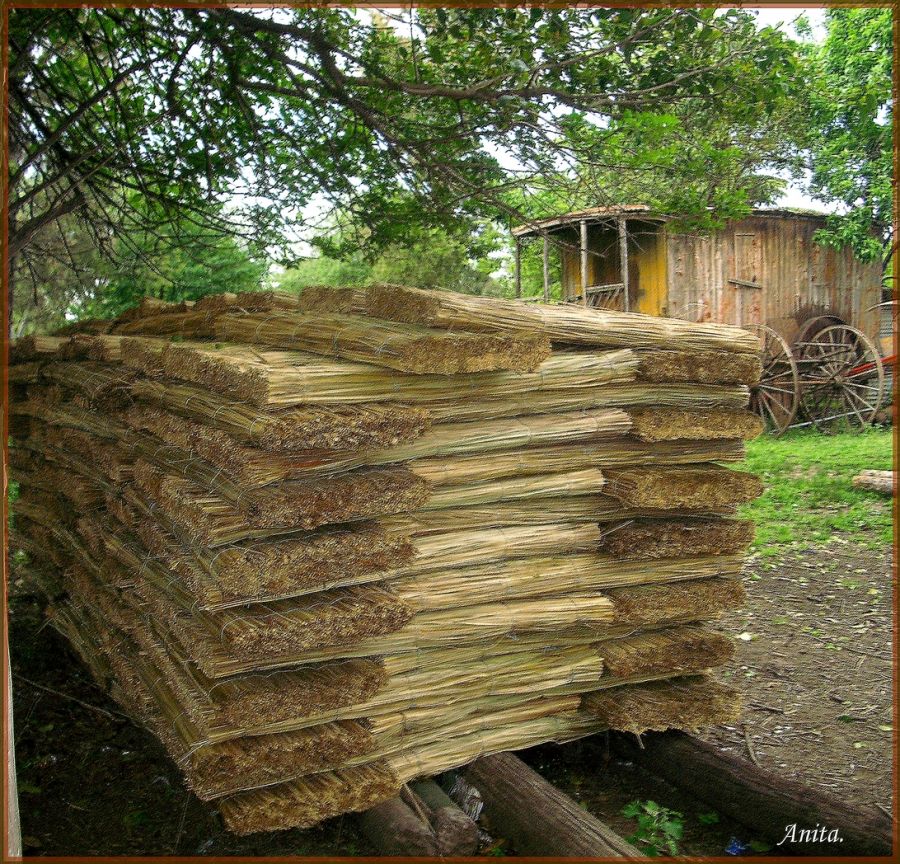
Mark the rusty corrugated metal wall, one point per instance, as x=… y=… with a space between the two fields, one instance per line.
x=796 y=277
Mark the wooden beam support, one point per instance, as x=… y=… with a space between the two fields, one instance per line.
x=767 y=804
x=517 y=268
x=546 y=269
x=536 y=817
x=456 y=833
x=584 y=261
x=623 y=261
x=394 y=828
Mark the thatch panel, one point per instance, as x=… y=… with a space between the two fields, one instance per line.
x=662 y=424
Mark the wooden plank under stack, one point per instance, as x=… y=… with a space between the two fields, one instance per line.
x=325 y=546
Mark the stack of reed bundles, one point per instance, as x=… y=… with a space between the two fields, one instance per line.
x=323 y=545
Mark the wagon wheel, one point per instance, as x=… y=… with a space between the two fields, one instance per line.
x=777 y=395
x=813 y=326
x=841 y=376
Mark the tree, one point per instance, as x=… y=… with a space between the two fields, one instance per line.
x=850 y=145
x=64 y=277
x=434 y=259
x=437 y=261
x=323 y=270
x=58 y=274
x=245 y=122
x=153 y=266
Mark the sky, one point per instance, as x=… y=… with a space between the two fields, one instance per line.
x=770 y=17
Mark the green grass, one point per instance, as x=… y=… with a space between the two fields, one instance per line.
x=809 y=497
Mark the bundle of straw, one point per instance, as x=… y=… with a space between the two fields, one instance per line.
x=406 y=348
x=570 y=325
x=266 y=377
x=187 y=325
x=336 y=541
x=338 y=427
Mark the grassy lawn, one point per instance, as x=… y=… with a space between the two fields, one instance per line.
x=809 y=497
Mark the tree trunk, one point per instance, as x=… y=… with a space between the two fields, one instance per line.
x=875 y=481
x=766 y=803
x=536 y=817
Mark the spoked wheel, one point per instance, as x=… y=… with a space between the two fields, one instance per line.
x=777 y=396
x=813 y=326
x=841 y=377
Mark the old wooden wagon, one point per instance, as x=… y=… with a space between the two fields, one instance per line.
x=818 y=310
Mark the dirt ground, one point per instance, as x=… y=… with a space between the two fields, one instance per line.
x=813 y=658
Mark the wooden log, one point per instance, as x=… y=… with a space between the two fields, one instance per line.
x=766 y=803
x=537 y=817
x=421 y=821
x=584 y=262
x=546 y=269
x=875 y=481
x=394 y=828
x=456 y=833
x=622 y=226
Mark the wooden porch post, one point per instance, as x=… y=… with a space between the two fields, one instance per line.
x=584 y=262
x=546 y=269
x=623 y=261
x=517 y=268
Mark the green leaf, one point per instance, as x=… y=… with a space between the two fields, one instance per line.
x=673 y=829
